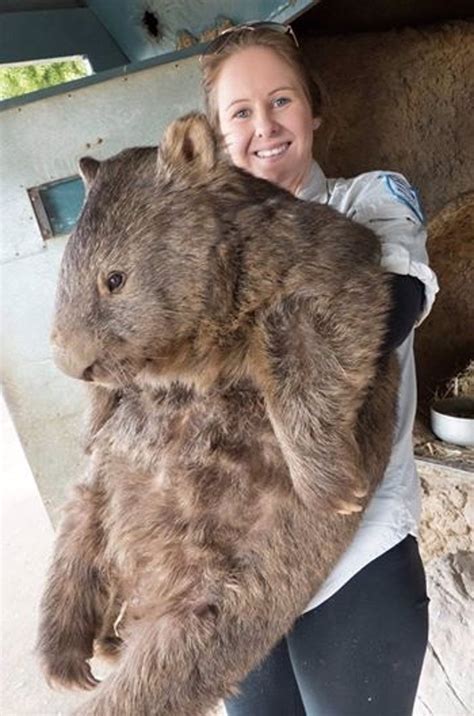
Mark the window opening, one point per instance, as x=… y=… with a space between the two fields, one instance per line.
x=21 y=78
x=57 y=205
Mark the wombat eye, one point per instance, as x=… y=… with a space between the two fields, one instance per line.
x=115 y=281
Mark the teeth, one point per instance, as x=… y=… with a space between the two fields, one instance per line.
x=264 y=153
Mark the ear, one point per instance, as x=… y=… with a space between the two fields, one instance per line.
x=88 y=168
x=188 y=149
x=315 y=370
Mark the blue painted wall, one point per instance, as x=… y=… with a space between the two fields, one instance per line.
x=58 y=33
x=124 y=19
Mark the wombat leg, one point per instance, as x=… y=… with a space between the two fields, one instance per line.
x=184 y=664
x=313 y=392
x=74 y=598
x=109 y=644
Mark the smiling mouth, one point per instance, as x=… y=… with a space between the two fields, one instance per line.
x=274 y=152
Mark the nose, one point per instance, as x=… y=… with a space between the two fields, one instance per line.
x=265 y=124
x=73 y=353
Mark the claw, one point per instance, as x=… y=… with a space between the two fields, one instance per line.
x=88 y=681
x=73 y=676
x=342 y=507
x=351 y=509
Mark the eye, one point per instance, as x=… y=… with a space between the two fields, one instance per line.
x=281 y=101
x=242 y=114
x=115 y=281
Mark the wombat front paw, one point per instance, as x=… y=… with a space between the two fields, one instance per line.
x=346 y=497
x=70 y=671
x=349 y=498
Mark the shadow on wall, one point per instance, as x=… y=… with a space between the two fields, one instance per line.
x=444 y=344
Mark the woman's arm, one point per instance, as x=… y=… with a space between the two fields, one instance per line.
x=386 y=203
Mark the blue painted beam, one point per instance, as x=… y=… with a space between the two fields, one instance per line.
x=39 y=35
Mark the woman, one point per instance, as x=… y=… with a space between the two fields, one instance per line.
x=359 y=647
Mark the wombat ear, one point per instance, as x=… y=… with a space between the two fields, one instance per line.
x=88 y=168
x=188 y=148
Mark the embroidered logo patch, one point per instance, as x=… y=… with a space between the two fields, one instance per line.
x=404 y=193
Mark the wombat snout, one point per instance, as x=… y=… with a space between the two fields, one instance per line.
x=74 y=355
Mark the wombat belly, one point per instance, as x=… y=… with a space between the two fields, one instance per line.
x=198 y=503
x=191 y=491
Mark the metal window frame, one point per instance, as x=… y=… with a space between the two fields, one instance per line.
x=41 y=215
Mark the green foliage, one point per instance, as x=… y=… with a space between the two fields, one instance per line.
x=15 y=81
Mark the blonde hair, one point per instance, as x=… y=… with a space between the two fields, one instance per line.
x=280 y=42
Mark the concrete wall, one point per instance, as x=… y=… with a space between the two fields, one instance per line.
x=42 y=141
x=40 y=35
x=447 y=548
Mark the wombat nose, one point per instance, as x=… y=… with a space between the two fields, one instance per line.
x=74 y=353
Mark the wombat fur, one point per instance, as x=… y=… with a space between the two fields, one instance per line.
x=242 y=415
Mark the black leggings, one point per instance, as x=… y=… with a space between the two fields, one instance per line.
x=359 y=653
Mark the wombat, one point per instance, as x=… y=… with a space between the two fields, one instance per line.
x=242 y=415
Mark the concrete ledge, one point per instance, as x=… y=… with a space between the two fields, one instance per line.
x=27 y=538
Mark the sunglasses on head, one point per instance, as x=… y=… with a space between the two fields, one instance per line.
x=217 y=45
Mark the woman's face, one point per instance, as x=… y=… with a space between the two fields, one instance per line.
x=265 y=117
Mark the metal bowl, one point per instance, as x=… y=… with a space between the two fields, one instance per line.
x=452 y=420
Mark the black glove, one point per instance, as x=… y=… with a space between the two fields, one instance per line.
x=408 y=297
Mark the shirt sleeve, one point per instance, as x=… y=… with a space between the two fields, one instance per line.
x=389 y=205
